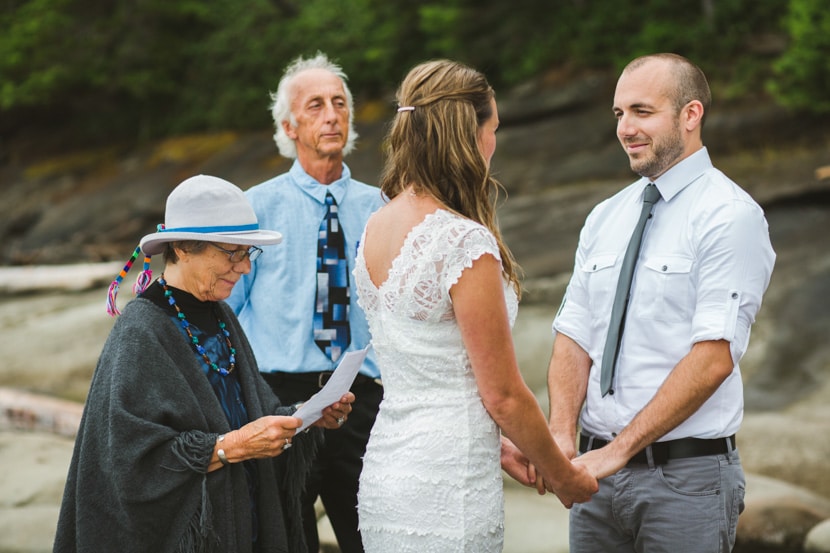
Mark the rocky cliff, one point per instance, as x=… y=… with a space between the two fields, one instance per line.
x=557 y=157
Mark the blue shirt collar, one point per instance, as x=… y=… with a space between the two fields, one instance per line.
x=315 y=189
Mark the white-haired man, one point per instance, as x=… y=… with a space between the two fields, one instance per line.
x=298 y=306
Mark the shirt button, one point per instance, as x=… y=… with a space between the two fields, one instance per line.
x=665 y=268
x=595 y=268
x=734 y=295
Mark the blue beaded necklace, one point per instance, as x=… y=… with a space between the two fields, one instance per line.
x=195 y=341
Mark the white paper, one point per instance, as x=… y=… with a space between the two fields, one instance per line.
x=341 y=380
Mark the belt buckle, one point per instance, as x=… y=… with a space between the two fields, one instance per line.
x=322 y=378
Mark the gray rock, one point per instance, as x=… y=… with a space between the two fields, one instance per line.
x=818 y=539
x=778 y=516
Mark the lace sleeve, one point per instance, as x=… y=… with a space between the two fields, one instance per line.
x=470 y=241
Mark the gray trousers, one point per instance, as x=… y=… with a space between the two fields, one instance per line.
x=687 y=505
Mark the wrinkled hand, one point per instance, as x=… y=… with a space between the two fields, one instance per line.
x=265 y=437
x=337 y=413
x=576 y=487
x=516 y=465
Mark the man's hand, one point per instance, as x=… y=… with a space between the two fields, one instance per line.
x=566 y=443
x=602 y=462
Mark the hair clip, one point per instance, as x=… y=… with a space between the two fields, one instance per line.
x=406 y=108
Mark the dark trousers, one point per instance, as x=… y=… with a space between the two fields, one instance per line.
x=336 y=470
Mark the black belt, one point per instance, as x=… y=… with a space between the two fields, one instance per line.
x=662 y=452
x=318 y=378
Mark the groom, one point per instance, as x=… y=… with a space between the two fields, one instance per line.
x=658 y=421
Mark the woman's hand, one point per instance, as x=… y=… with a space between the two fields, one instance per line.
x=336 y=414
x=517 y=466
x=576 y=487
x=265 y=437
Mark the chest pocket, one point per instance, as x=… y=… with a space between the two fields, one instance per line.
x=601 y=277
x=665 y=289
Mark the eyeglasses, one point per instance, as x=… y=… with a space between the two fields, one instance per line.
x=236 y=256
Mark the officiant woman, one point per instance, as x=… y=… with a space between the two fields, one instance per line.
x=182 y=445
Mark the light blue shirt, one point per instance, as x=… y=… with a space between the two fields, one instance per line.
x=275 y=302
x=704 y=265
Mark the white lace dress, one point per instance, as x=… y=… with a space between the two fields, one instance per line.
x=431 y=479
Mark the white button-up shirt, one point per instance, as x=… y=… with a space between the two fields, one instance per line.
x=704 y=265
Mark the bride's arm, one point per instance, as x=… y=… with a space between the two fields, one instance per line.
x=481 y=313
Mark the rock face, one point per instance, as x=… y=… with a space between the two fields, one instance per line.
x=557 y=157
x=818 y=540
x=778 y=517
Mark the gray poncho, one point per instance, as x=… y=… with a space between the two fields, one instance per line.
x=138 y=480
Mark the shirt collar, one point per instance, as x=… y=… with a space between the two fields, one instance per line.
x=316 y=190
x=684 y=173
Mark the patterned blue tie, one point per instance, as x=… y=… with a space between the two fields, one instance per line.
x=331 y=313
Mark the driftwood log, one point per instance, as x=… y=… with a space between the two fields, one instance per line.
x=31 y=412
x=42 y=278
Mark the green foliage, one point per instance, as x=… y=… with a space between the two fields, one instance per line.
x=144 y=68
x=30 y=46
x=803 y=72
x=438 y=22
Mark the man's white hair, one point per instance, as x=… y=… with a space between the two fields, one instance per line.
x=281 y=106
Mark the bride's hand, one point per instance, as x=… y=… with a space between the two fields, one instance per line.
x=516 y=465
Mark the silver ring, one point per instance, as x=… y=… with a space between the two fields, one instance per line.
x=340 y=421
x=287 y=444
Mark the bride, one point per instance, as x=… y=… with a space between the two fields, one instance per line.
x=439 y=289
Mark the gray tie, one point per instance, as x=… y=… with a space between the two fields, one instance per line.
x=615 y=328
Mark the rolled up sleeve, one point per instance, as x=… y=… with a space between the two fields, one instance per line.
x=736 y=261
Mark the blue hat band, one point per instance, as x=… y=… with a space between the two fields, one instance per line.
x=206 y=230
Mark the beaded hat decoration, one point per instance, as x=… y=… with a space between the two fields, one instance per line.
x=202 y=208
x=141 y=283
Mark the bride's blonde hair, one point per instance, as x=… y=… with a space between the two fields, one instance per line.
x=432 y=145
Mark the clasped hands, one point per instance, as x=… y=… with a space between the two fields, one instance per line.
x=575 y=485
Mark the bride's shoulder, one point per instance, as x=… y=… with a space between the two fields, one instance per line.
x=462 y=230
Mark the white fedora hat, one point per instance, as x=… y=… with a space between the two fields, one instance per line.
x=209 y=209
